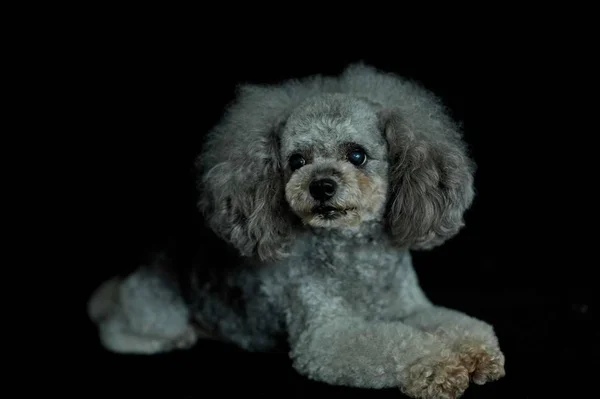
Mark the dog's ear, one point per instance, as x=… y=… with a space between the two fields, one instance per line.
x=241 y=184
x=430 y=175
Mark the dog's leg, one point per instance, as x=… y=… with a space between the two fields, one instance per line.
x=116 y=336
x=473 y=340
x=331 y=344
x=142 y=314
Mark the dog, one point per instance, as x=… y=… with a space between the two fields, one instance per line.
x=323 y=185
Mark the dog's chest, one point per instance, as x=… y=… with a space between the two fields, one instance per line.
x=366 y=272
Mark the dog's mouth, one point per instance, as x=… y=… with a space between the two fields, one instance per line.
x=329 y=212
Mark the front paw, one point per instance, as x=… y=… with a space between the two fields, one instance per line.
x=439 y=377
x=485 y=362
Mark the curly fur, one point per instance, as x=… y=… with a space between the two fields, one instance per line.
x=336 y=283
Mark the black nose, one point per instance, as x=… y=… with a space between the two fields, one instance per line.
x=323 y=189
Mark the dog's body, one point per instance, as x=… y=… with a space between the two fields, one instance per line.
x=323 y=186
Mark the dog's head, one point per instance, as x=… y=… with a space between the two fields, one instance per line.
x=335 y=162
x=291 y=157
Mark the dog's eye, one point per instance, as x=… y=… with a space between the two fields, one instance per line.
x=296 y=161
x=357 y=157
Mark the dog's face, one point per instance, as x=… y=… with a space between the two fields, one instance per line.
x=334 y=159
x=286 y=152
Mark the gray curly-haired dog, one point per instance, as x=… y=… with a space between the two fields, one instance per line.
x=323 y=184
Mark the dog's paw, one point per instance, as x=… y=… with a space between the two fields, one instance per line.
x=439 y=377
x=484 y=362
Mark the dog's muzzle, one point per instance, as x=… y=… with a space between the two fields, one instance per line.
x=322 y=189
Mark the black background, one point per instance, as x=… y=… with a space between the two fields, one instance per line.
x=146 y=99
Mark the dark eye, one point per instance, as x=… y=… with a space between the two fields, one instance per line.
x=357 y=157
x=296 y=161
